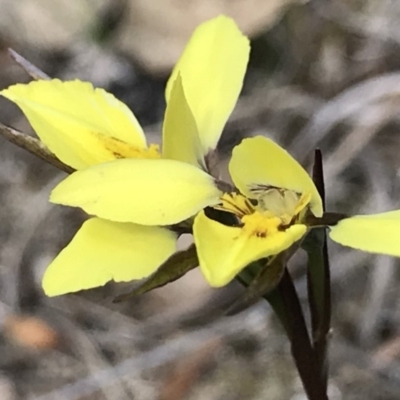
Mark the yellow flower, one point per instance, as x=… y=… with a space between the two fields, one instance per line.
x=276 y=206
x=135 y=191
x=276 y=194
x=121 y=179
x=271 y=213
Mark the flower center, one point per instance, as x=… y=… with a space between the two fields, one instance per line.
x=260 y=225
x=273 y=210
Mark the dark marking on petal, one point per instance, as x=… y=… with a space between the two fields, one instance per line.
x=117 y=155
x=253 y=202
x=223 y=217
x=261 y=234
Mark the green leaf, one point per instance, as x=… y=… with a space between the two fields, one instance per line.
x=173 y=268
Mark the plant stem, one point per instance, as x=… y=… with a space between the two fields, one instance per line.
x=285 y=302
x=318 y=280
x=319 y=295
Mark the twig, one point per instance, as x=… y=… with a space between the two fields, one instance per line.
x=33 y=71
x=23 y=140
x=34 y=146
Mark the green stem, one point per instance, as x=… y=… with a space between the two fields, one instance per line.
x=319 y=296
x=318 y=280
x=285 y=302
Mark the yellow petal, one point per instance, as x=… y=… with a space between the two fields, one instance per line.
x=77 y=122
x=148 y=192
x=103 y=251
x=224 y=251
x=259 y=162
x=376 y=233
x=180 y=136
x=212 y=67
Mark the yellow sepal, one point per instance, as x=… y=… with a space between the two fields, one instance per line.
x=81 y=125
x=143 y=191
x=376 y=233
x=103 y=251
x=212 y=68
x=180 y=135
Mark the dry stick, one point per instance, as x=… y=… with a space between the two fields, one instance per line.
x=23 y=140
x=34 y=146
x=34 y=72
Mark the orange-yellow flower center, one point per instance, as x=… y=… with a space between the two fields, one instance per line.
x=274 y=210
x=260 y=225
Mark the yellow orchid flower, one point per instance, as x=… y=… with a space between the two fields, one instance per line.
x=269 y=214
x=272 y=211
x=275 y=195
x=90 y=130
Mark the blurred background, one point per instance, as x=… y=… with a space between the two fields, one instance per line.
x=322 y=74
